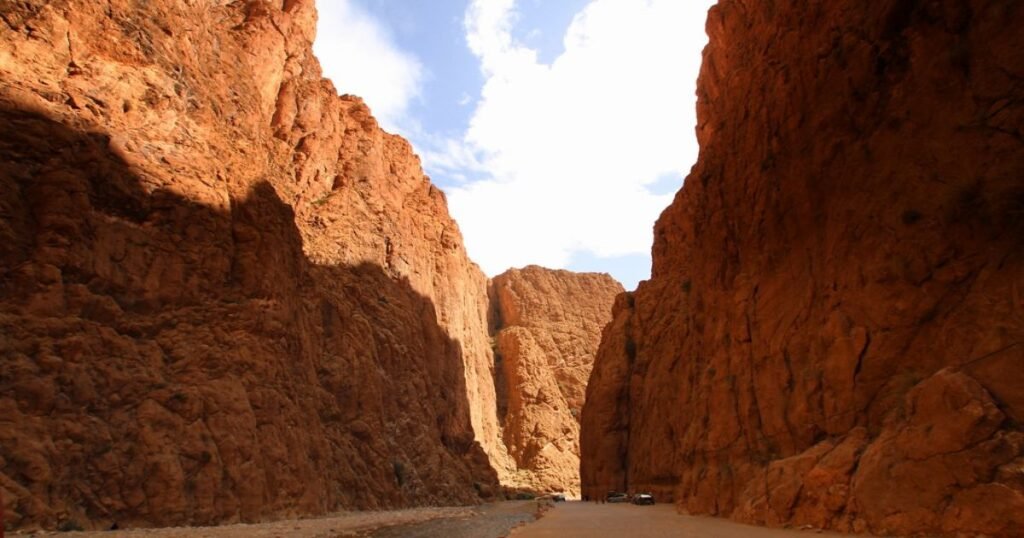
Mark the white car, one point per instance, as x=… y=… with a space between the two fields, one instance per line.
x=643 y=498
x=617 y=498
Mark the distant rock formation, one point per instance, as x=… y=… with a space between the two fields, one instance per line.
x=548 y=326
x=833 y=334
x=226 y=294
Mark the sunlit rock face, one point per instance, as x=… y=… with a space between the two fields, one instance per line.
x=227 y=294
x=547 y=326
x=833 y=332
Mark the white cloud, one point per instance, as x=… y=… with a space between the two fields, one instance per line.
x=358 y=54
x=448 y=156
x=571 y=147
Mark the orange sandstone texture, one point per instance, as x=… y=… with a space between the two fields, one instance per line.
x=226 y=294
x=548 y=325
x=833 y=334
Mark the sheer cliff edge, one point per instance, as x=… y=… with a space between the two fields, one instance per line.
x=833 y=334
x=227 y=294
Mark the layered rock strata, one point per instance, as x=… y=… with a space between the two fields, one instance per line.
x=226 y=294
x=547 y=326
x=833 y=334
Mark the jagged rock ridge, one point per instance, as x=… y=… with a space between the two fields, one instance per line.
x=547 y=327
x=832 y=335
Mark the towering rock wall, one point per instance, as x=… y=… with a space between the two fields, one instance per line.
x=226 y=294
x=833 y=334
x=547 y=327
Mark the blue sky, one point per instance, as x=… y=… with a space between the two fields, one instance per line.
x=432 y=31
x=558 y=129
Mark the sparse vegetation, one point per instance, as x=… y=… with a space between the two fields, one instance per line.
x=322 y=200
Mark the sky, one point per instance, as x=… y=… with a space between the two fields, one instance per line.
x=559 y=129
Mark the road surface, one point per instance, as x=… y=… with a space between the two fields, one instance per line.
x=563 y=520
x=486 y=521
x=587 y=519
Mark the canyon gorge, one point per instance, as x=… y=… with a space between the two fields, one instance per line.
x=228 y=295
x=832 y=334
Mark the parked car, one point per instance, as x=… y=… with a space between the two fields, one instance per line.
x=643 y=498
x=558 y=497
x=615 y=497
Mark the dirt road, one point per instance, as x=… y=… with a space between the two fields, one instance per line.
x=564 y=520
x=586 y=520
x=486 y=521
x=337 y=525
x=489 y=521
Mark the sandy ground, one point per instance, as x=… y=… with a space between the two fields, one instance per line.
x=492 y=521
x=341 y=524
x=514 y=519
x=587 y=520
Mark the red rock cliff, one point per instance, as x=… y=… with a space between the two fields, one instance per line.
x=833 y=334
x=226 y=293
x=548 y=326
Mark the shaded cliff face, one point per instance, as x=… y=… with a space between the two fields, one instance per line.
x=548 y=326
x=832 y=333
x=226 y=293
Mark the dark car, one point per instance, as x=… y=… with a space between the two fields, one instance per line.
x=615 y=497
x=643 y=498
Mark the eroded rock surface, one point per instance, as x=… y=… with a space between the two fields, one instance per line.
x=226 y=294
x=548 y=326
x=832 y=335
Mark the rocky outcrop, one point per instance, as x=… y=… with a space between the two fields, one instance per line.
x=832 y=334
x=226 y=294
x=547 y=326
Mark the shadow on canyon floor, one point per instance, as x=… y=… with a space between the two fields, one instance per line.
x=169 y=363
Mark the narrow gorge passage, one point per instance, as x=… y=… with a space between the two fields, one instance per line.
x=232 y=303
